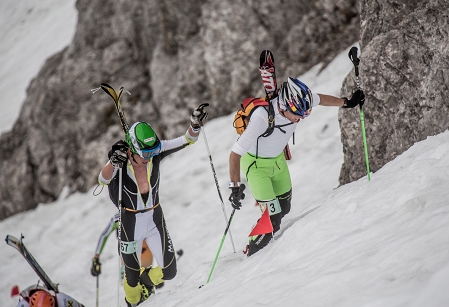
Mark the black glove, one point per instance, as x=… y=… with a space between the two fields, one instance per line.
x=198 y=115
x=95 y=270
x=357 y=98
x=237 y=195
x=117 y=155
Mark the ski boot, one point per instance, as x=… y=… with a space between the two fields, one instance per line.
x=145 y=281
x=256 y=243
x=144 y=295
x=159 y=286
x=146 y=292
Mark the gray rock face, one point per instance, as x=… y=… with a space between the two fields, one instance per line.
x=404 y=72
x=172 y=56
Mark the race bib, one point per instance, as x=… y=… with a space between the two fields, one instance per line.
x=274 y=207
x=128 y=247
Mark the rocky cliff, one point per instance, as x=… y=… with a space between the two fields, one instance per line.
x=171 y=55
x=404 y=71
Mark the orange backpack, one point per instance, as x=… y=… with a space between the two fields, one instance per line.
x=242 y=117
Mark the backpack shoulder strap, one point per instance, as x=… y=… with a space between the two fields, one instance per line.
x=250 y=104
x=270 y=110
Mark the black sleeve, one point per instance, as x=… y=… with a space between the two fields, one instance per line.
x=113 y=188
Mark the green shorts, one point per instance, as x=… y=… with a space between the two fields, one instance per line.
x=266 y=177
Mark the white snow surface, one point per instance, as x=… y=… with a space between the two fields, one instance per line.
x=32 y=31
x=383 y=242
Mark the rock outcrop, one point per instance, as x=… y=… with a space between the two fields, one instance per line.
x=404 y=71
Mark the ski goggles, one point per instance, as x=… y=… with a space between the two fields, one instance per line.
x=148 y=153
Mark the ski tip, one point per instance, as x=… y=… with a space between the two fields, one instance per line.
x=10 y=238
x=110 y=91
x=266 y=59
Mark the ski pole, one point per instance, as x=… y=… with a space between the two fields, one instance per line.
x=216 y=183
x=123 y=122
x=96 y=300
x=241 y=189
x=355 y=61
x=120 y=187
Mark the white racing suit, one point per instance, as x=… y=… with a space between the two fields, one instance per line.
x=147 y=223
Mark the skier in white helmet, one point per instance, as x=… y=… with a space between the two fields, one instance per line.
x=259 y=151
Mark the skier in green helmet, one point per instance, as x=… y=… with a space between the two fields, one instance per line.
x=142 y=218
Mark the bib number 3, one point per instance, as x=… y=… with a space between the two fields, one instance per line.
x=274 y=207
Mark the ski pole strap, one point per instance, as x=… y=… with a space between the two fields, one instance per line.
x=141 y=211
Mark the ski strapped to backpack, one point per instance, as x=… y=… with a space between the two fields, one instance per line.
x=242 y=117
x=268 y=75
x=267 y=71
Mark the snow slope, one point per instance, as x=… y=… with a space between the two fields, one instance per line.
x=31 y=32
x=378 y=243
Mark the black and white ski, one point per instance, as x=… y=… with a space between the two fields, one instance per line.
x=18 y=244
x=116 y=97
x=268 y=73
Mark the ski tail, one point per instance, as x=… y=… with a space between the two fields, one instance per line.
x=18 y=244
x=268 y=73
x=116 y=97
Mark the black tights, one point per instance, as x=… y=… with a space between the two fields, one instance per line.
x=285 y=202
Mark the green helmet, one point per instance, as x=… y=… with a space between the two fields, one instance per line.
x=142 y=140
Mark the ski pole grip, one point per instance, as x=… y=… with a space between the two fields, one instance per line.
x=354 y=59
x=203 y=105
x=204 y=114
